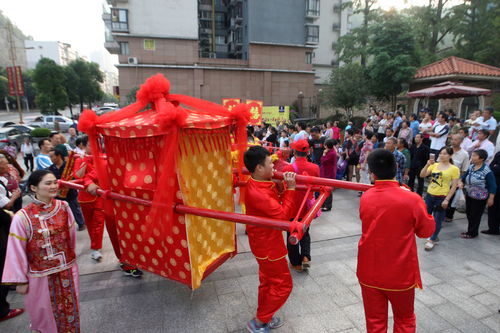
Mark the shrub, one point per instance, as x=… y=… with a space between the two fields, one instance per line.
x=40 y=132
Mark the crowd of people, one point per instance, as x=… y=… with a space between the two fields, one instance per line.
x=455 y=157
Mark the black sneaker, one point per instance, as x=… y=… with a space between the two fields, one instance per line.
x=133 y=272
x=83 y=227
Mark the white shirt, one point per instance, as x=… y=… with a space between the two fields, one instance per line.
x=27 y=148
x=490 y=124
x=302 y=135
x=461 y=160
x=466 y=143
x=486 y=145
x=438 y=142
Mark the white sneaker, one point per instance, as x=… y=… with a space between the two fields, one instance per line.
x=96 y=255
x=429 y=245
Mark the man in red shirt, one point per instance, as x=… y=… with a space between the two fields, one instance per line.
x=263 y=199
x=94 y=211
x=388 y=270
x=300 y=254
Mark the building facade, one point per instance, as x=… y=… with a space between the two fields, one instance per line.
x=61 y=53
x=214 y=49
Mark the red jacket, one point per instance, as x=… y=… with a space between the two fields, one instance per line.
x=89 y=177
x=304 y=168
x=387 y=251
x=262 y=199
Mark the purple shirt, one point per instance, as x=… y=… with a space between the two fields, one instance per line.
x=328 y=168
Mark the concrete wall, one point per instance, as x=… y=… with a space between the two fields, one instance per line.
x=41 y=50
x=276 y=21
x=176 y=18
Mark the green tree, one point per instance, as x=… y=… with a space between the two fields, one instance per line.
x=477 y=35
x=347 y=87
x=29 y=88
x=87 y=84
x=131 y=95
x=49 y=83
x=70 y=77
x=395 y=59
x=355 y=43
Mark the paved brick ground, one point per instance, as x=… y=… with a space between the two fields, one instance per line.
x=461 y=280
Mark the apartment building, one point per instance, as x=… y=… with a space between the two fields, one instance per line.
x=214 y=49
x=61 y=53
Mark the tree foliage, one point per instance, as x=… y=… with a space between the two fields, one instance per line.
x=477 y=34
x=395 y=58
x=346 y=88
x=88 y=77
x=49 y=83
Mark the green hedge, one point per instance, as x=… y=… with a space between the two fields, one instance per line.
x=40 y=132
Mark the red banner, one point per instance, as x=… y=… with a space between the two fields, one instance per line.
x=16 y=83
x=10 y=76
x=256 y=111
x=230 y=103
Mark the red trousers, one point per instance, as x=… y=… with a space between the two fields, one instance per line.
x=95 y=218
x=275 y=286
x=376 y=301
x=93 y=213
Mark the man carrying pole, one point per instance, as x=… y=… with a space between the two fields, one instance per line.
x=263 y=199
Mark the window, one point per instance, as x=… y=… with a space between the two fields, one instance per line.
x=119 y=19
x=312 y=8
x=312 y=34
x=205 y=14
x=149 y=45
x=123 y=47
x=220 y=40
x=309 y=57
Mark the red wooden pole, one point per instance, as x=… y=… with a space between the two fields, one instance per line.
x=318 y=181
x=182 y=209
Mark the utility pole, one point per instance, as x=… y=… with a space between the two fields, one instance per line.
x=13 y=59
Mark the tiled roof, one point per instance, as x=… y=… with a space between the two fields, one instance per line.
x=456 y=66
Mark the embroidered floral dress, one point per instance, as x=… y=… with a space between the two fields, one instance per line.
x=41 y=252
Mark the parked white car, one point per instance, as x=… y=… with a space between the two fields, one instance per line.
x=50 y=122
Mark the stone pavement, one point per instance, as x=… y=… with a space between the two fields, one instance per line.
x=461 y=287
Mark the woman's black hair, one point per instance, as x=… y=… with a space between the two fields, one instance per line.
x=36 y=177
x=405 y=143
x=449 y=151
x=481 y=153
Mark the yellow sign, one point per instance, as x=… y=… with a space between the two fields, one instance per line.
x=274 y=114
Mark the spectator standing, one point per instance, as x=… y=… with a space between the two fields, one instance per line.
x=382 y=126
x=401 y=172
x=480 y=188
x=365 y=151
x=42 y=160
x=317 y=143
x=494 y=210
x=72 y=138
x=397 y=122
x=353 y=149
x=461 y=160
x=442 y=186
x=483 y=143
x=425 y=127
x=414 y=125
x=486 y=121
x=419 y=154
x=466 y=141
x=404 y=149
x=328 y=168
x=28 y=151
x=405 y=132
x=302 y=134
x=439 y=133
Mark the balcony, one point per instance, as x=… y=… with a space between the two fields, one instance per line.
x=112 y=46
x=335 y=27
x=337 y=8
x=312 y=14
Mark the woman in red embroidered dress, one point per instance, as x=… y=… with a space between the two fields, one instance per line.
x=41 y=258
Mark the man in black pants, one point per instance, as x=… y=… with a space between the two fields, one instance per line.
x=419 y=157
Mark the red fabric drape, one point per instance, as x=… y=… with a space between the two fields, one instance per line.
x=171 y=117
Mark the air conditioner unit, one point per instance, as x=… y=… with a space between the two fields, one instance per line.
x=132 y=61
